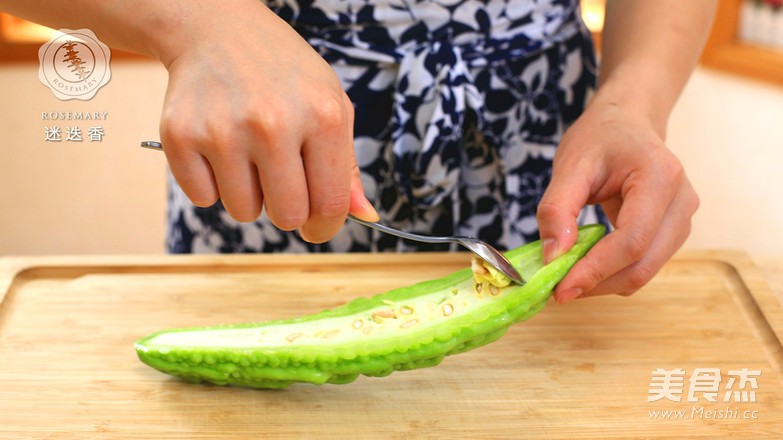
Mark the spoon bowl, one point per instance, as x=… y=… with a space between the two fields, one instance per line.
x=480 y=248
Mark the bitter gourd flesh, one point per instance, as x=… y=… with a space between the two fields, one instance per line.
x=403 y=329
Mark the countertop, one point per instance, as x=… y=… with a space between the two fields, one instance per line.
x=585 y=369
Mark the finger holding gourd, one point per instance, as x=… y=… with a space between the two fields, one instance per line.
x=403 y=329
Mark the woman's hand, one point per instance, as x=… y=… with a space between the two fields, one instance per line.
x=254 y=116
x=614 y=154
x=614 y=157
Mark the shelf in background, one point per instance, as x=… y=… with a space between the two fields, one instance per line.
x=725 y=51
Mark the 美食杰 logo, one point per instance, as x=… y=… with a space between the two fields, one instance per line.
x=74 y=64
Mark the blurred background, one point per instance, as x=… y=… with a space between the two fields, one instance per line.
x=109 y=196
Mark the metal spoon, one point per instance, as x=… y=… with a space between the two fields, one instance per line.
x=482 y=249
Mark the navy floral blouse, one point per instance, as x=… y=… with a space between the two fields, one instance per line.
x=460 y=105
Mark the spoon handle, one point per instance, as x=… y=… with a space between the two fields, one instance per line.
x=401 y=234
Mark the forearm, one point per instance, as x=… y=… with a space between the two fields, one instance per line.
x=150 y=27
x=649 y=49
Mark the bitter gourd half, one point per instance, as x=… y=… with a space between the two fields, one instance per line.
x=403 y=329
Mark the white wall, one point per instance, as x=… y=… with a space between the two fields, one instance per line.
x=109 y=197
x=728 y=132
x=68 y=197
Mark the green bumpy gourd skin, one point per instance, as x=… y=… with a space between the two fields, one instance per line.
x=403 y=329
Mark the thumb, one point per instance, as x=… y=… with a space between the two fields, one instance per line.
x=558 y=211
x=360 y=207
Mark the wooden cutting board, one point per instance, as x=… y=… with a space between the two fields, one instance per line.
x=68 y=369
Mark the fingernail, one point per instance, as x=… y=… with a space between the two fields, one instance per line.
x=569 y=295
x=361 y=206
x=370 y=214
x=549 y=249
x=303 y=236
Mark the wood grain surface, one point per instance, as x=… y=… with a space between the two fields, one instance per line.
x=583 y=370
